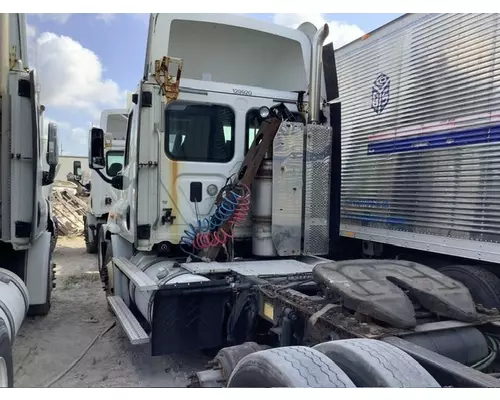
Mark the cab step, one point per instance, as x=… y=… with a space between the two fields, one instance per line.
x=143 y=282
x=132 y=327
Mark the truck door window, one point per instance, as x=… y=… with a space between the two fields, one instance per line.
x=114 y=162
x=199 y=132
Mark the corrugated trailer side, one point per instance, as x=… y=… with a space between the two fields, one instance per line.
x=421 y=134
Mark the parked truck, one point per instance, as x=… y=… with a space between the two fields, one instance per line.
x=26 y=226
x=102 y=194
x=227 y=231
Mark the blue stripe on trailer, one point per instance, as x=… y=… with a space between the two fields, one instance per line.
x=433 y=141
x=376 y=218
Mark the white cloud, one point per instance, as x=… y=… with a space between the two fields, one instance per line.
x=106 y=18
x=72 y=140
x=341 y=33
x=71 y=76
x=59 y=18
x=143 y=17
x=30 y=31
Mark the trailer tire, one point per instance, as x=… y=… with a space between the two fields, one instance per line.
x=295 y=366
x=372 y=363
x=483 y=285
x=6 y=364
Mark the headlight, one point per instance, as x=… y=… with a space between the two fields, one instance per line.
x=264 y=112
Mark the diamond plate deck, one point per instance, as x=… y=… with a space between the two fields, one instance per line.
x=251 y=268
x=139 y=278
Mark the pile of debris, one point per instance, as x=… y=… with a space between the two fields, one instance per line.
x=68 y=208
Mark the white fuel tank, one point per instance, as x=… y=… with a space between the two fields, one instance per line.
x=14 y=301
x=163 y=272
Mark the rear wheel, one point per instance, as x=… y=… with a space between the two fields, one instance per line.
x=295 y=366
x=483 y=285
x=6 y=366
x=372 y=363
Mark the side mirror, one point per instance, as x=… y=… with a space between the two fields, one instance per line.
x=117 y=182
x=77 y=169
x=52 y=155
x=96 y=149
x=52 y=146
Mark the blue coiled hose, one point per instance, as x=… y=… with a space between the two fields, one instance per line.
x=222 y=214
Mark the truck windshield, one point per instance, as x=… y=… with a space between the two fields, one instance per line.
x=114 y=162
x=199 y=132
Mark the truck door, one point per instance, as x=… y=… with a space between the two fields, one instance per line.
x=22 y=211
x=203 y=145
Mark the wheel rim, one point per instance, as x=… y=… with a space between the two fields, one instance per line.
x=4 y=381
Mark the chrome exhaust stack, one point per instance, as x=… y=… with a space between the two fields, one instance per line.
x=315 y=73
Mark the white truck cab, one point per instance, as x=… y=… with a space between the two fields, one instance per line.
x=102 y=194
x=210 y=83
x=26 y=225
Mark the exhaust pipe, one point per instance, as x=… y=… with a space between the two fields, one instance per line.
x=315 y=73
x=4 y=52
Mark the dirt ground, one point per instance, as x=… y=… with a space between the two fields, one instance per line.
x=47 y=346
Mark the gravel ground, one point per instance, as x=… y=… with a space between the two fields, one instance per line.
x=47 y=346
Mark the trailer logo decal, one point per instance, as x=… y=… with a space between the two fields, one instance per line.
x=380 y=93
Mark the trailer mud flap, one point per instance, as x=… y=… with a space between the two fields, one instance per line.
x=189 y=317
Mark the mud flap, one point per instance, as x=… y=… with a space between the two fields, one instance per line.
x=189 y=317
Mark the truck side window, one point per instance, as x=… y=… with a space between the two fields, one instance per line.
x=253 y=122
x=114 y=162
x=199 y=132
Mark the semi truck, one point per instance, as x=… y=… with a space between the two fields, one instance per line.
x=227 y=233
x=26 y=226
x=102 y=194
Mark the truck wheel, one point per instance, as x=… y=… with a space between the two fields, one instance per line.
x=372 y=363
x=91 y=247
x=6 y=366
x=295 y=366
x=483 y=285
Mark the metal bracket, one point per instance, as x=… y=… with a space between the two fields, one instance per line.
x=169 y=85
x=168 y=217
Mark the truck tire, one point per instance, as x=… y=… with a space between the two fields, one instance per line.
x=295 y=366
x=91 y=247
x=372 y=363
x=6 y=365
x=483 y=285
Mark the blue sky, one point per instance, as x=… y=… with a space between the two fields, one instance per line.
x=87 y=62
